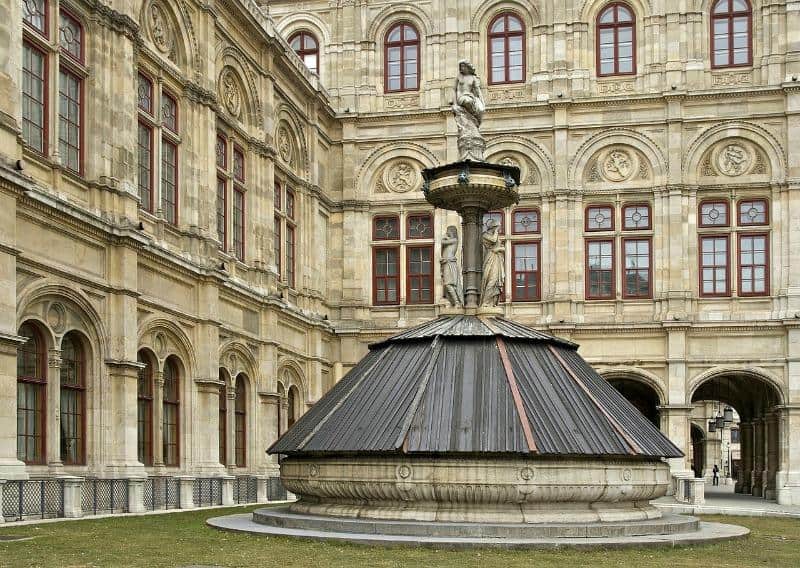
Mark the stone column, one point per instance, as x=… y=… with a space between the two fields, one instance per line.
x=53 y=412
x=284 y=425
x=756 y=487
x=269 y=420
x=207 y=413
x=122 y=445
x=746 y=471
x=772 y=456
x=10 y=466
x=158 y=419
x=471 y=263
x=676 y=425
x=712 y=456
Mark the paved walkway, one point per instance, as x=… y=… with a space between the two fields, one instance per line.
x=722 y=500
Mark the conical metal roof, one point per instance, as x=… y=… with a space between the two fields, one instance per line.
x=469 y=385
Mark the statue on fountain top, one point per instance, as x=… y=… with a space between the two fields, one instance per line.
x=468 y=108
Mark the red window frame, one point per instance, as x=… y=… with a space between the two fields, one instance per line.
x=724 y=202
x=240 y=423
x=36 y=384
x=222 y=419
x=739 y=204
x=588 y=272
x=45 y=96
x=392 y=237
x=535 y=276
x=290 y=255
x=45 y=30
x=239 y=209
x=222 y=212
x=615 y=26
x=174 y=126
x=730 y=16
x=419 y=281
x=424 y=217
x=303 y=51
x=402 y=44
x=144 y=79
x=626 y=269
x=277 y=245
x=627 y=206
x=610 y=209
x=530 y=210
x=171 y=401
x=64 y=144
x=73 y=387
x=144 y=410
x=239 y=173
x=702 y=265
x=146 y=194
x=170 y=208
x=385 y=278
x=506 y=36
x=81 y=43
x=765 y=265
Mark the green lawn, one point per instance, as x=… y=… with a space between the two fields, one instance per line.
x=183 y=539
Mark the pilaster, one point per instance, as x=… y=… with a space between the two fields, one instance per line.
x=122 y=435
x=53 y=412
x=10 y=466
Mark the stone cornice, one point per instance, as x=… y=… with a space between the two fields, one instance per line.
x=112 y=19
x=121 y=364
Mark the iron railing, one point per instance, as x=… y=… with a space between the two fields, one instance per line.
x=100 y=496
x=162 y=493
x=42 y=498
x=207 y=491
x=245 y=489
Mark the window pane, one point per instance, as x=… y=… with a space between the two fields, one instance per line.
x=69 y=120
x=169 y=181
x=394 y=34
x=526 y=222
x=714 y=214
x=722 y=6
x=33 y=98
x=607 y=15
x=386 y=228
x=623 y=14
x=33 y=13
x=420 y=227
x=409 y=33
x=221 y=213
x=599 y=218
x=169 y=112
x=71 y=36
x=238 y=224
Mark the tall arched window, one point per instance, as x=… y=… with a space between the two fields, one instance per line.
x=31 y=395
x=731 y=33
x=306 y=46
x=281 y=393
x=223 y=418
x=144 y=409
x=171 y=412
x=506 y=50
x=292 y=410
x=240 y=422
x=616 y=40
x=401 y=58
x=73 y=400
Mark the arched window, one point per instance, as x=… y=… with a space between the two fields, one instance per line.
x=281 y=393
x=292 y=410
x=73 y=400
x=223 y=418
x=616 y=40
x=306 y=46
x=401 y=58
x=240 y=443
x=31 y=395
x=731 y=31
x=506 y=50
x=144 y=409
x=171 y=412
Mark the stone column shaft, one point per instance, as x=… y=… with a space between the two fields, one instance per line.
x=471 y=264
x=158 y=420
x=758 y=458
x=53 y=411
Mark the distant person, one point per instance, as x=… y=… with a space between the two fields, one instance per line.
x=715 y=471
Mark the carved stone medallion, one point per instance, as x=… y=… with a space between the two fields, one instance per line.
x=617 y=165
x=160 y=29
x=57 y=317
x=509 y=161
x=229 y=94
x=285 y=144
x=401 y=177
x=734 y=160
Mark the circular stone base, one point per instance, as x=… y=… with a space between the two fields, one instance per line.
x=669 y=530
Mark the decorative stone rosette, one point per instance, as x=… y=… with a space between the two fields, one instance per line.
x=401 y=176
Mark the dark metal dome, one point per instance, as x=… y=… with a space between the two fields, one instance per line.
x=470 y=385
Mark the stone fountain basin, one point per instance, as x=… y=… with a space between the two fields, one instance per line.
x=477 y=489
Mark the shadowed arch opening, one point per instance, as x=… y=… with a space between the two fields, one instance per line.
x=222 y=425
x=639 y=394
x=240 y=421
x=171 y=423
x=73 y=381
x=698 y=450
x=31 y=394
x=144 y=406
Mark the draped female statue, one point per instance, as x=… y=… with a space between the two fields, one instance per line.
x=451 y=276
x=494 y=275
x=468 y=108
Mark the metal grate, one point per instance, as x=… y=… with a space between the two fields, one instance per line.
x=162 y=493
x=245 y=489
x=33 y=498
x=275 y=490
x=104 y=496
x=207 y=491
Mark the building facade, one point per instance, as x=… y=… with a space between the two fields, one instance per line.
x=210 y=209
